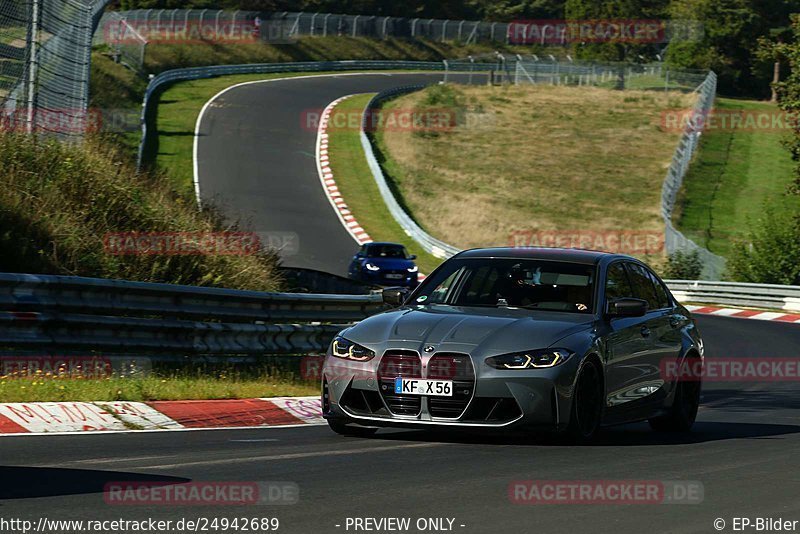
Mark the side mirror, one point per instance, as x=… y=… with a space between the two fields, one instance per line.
x=395 y=296
x=412 y=257
x=627 y=308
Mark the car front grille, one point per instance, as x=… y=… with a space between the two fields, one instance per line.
x=399 y=364
x=458 y=368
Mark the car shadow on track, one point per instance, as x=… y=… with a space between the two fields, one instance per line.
x=626 y=435
x=30 y=482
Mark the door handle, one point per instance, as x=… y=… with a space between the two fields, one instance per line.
x=645 y=332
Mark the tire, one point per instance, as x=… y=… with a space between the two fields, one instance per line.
x=683 y=412
x=350 y=430
x=587 y=404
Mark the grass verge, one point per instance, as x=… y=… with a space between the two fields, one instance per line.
x=151 y=388
x=357 y=185
x=277 y=379
x=737 y=172
x=566 y=159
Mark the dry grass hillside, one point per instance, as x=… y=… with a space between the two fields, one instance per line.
x=533 y=158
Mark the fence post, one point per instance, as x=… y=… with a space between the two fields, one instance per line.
x=355 y=25
x=325 y=25
x=414 y=27
x=444 y=30
x=34 y=43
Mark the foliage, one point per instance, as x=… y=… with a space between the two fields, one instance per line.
x=771 y=254
x=59 y=201
x=683 y=265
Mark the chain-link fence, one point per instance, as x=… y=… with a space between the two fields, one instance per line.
x=126 y=42
x=524 y=70
x=45 y=52
x=15 y=55
x=282 y=27
x=713 y=265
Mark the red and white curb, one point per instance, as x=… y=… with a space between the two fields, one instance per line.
x=60 y=417
x=329 y=183
x=746 y=314
x=346 y=217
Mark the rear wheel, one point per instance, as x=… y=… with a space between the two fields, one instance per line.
x=350 y=430
x=587 y=404
x=684 y=408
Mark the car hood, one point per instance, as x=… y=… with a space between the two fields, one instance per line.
x=497 y=330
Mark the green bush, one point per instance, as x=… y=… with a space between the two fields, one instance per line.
x=683 y=265
x=771 y=252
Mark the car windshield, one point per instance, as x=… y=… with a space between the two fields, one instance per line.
x=386 y=251
x=517 y=283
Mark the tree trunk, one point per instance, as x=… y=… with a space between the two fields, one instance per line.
x=776 y=78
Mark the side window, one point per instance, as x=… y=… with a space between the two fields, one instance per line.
x=481 y=287
x=617 y=284
x=440 y=294
x=643 y=287
x=661 y=293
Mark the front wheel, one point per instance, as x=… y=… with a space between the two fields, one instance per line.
x=350 y=430
x=587 y=404
x=684 y=408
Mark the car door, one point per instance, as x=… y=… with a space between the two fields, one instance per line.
x=628 y=347
x=647 y=388
x=666 y=327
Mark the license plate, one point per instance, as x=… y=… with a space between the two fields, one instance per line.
x=394 y=276
x=414 y=386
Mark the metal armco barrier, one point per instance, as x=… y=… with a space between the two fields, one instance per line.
x=58 y=314
x=430 y=244
x=71 y=313
x=786 y=298
x=196 y=73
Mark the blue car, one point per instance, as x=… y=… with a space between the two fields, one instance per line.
x=384 y=264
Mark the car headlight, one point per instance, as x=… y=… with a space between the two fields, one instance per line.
x=413 y=269
x=532 y=359
x=371 y=267
x=344 y=348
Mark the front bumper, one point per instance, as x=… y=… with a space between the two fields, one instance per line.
x=359 y=393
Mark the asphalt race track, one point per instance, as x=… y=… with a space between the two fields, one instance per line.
x=256 y=162
x=744 y=451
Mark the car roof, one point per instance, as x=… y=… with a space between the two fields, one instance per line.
x=571 y=255
x=384 y=243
